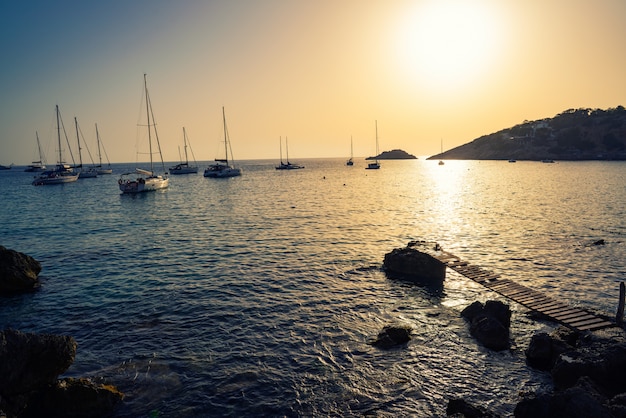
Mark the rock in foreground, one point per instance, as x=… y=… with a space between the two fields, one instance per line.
x=414 y=263
x=18 y=272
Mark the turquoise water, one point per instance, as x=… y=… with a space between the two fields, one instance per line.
x=257 y=295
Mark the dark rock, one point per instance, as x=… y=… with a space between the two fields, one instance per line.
x=489 y=323
x=18 y=271
x=582 y=400
x=74 y=398
x=544 y=350
x=28 y=361
x=461 y=408
x=393 y=335
x=413 y=263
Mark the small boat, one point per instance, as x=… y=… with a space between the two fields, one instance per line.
x=375 y=165
x=222 y=168
x=350 y=161
x=101 y=169
x=547 y=161
x=142 y=180
x=184 y=167
x=83 y=172
x=287 y=165
x=6 y=167
x=512 y=160
x=441 y=161
x=37 y=166
x=62 y=173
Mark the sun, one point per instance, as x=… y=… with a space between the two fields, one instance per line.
x=446 y=44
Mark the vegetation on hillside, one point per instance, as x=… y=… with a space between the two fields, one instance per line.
x=575 y=134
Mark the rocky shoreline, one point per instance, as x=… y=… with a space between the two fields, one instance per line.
x=587 y=368
x=30 y=364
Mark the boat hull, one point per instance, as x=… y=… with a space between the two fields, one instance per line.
x=141 y=185
x=221 y=171
x=105 y=171
x=54 y=178
x=183 y=170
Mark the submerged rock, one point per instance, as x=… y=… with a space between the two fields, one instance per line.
x=462 y=409
x=414 y=263
x=18 y=272
x=393 y=335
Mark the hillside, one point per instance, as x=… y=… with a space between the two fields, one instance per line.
x=575 y=134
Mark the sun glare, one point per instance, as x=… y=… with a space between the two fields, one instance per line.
x=446 y=44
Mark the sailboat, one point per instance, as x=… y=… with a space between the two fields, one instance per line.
x=99 y=167
x=375 y=165
x=288 y=165
x=222 y=168
x=142 y=180
x=83 y=173
x=62 y=173
x=441 y=161
x=37 y=166
x=184 y=167
x=350 y=161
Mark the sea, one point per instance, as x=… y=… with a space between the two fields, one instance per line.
x=260 y=295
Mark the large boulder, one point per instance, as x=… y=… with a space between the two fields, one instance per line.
x=18 y=272
x=29 y=387
x=414 y=263
x=29 y=361
x=489 y=323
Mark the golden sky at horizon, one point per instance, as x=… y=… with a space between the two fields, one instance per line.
x=317 y=72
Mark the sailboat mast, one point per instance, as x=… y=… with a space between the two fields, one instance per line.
x=145 y=84
x=98 y=141
x=39 y=147
x=225 y=134
x=376 y=140
x=185 y=143
x=59 y=135
x=80 y=157
x=280 y=140
x=287 y=149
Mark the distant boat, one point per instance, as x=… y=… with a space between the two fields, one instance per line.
x=441 y=161
x=99 y=167
x=222 y=168
x=512 y=160
x=288 y=165
x=6 y=167
x=146 y=180
x=37 y=166
x=547 y=161
x=375 y=165
x=83 y=173
x=184 y=167
x=62 y=173
x=350 y=161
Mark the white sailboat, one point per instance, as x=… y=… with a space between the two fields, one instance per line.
x=37 y=166
x=99 y=167
x=142 y=180
x=350 y=161
x=222 y=168
x=62 y=173
x=83 y=172
x=184 y=167
x=288 y=165
x=375 y=165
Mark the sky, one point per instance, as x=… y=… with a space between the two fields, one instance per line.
x=428 y=73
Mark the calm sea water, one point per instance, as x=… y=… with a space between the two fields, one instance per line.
x=258 y=295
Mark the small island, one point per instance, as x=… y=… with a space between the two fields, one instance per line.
x=396 y=154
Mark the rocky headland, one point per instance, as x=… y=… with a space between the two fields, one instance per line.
x=575 y=134
x=396 y=154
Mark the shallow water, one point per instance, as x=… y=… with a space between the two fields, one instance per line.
x=258 y=295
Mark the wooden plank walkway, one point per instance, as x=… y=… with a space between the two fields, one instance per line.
x=574 y=318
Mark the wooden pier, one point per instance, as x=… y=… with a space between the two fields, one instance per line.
x=574 y=318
